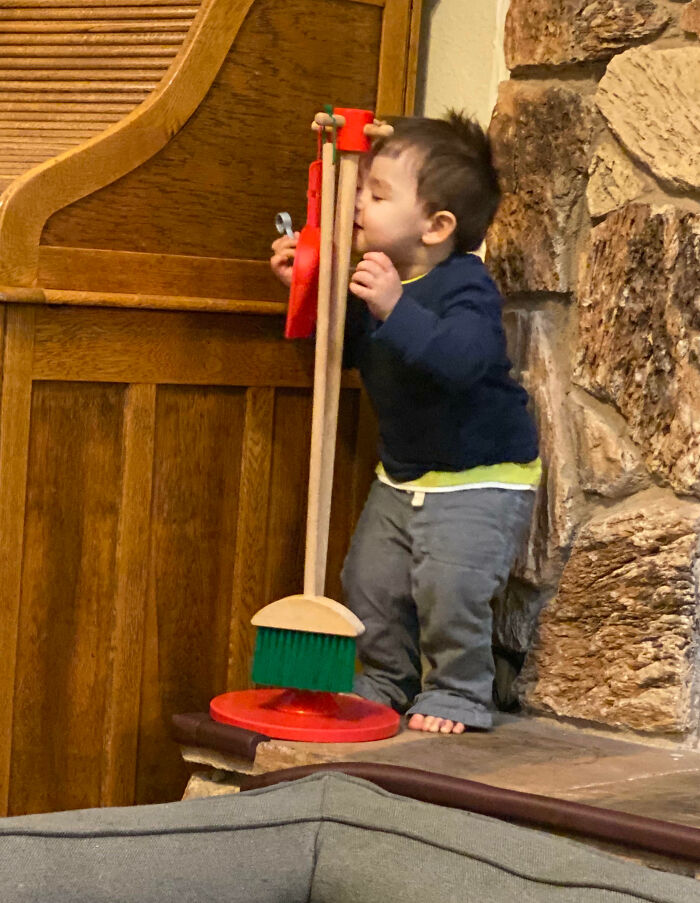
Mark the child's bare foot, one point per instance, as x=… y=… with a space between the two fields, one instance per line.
x=435 y=725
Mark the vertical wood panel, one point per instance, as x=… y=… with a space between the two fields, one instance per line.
x=289 y=477
x=392 y=96
x=121 y=723
x=14 y=437
x=251 y=533
x=195 y=498
x=63 y=653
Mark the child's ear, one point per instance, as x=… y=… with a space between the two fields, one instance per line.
x=441 y=227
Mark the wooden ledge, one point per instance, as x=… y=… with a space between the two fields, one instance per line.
x=56 y=297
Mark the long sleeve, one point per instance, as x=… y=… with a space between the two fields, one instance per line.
x=457 y=346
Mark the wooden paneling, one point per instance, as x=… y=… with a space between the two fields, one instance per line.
x=284 y=554
x=160 y=514
x=49 y=60
x=81 y=269
x=32 y=198
x=18 y=334
x=128 y=346
x=67 y=593
x=248 y=592
x=130 y=598
x=207 y=195
x=153 y=448
x=196 y=481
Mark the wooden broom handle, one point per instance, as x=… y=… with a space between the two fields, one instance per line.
x=344 y=219
x=317 y=522
x=334 y=277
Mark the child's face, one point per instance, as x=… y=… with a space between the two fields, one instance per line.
x=389 y=217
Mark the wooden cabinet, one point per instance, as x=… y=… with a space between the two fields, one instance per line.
x=154 y=425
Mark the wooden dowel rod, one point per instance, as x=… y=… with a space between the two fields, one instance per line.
x=344 y=219
x=318 y=514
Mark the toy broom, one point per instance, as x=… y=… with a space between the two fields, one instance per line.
x=307 y=641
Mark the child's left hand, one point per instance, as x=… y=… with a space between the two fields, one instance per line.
x=377 y=283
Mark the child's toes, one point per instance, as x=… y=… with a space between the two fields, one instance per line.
x=415 y=722
x=447 y=727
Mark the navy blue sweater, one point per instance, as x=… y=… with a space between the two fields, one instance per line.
x=437 y=373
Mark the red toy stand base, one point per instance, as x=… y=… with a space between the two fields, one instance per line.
x=306 y=715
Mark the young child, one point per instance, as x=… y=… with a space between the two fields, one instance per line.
x=455 y=487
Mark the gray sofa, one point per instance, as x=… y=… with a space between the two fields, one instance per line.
x=328 y=838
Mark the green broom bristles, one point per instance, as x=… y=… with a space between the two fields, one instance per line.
x=306 y=661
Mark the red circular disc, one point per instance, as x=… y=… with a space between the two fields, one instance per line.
x=306 y=715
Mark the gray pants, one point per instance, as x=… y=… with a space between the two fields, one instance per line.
x=421 y=579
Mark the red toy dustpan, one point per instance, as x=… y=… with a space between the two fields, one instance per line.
x=303 y=294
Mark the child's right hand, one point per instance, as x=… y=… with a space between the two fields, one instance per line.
x=282 y=259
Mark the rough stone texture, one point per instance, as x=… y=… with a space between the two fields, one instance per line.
x=515 y=614
x=618 y=644
x=609 y=464
x=541 y=137
x=639 y=333
x=690 y=17
x=613 y=179
x=558 y=510
x=651 y=101
x=568 y=31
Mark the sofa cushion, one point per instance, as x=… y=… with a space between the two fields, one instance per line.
x=328 y=838
x=258 y=848
x=376 y=846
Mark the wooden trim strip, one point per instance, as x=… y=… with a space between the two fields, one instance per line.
x=412 y=62
x=251 y=533
x=56 y=298
x=31 y=199
x=393 y=58
x=164 y=302
x=85 y=12
x=79 y=4
x=132 y=563
x=15 y=412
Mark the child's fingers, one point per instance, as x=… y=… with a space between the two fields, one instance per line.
x=363 y=278
x=361 y=291
x=379 y=258
x=284 y=254
x=369 y=266
x=285 y=242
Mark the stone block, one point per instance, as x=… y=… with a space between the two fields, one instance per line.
x=541 y=137
x=651 y=101
x=614 y=180
x=559 y=505
x=609 y=464
x=618 y=644
x=639 y=334
x=550 y=32
x=690 y=17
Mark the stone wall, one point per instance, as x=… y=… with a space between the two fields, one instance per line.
x=597 y=250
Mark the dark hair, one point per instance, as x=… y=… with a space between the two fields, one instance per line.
x=455 y=170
